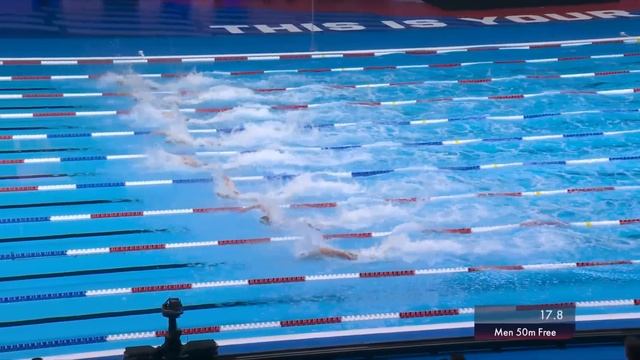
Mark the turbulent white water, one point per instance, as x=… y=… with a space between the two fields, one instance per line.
x=277 y=140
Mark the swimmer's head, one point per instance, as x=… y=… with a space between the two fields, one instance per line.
x=266 y=220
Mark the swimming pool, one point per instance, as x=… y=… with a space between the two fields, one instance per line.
x=460 y=177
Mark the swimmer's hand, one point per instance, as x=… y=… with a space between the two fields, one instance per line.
x=311 y=226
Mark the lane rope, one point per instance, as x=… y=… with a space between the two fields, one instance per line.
x=335 y=174
x=171 y=59
x=417 y=122
x=157 y=212
x=283 y=177
x=442 y=66
x=392 y=144
x=313 y=205
x=383 y=144
x=464 y=81
x=291 y=107
x=467 y=81
x=262 y=240
x=418 y=82
x=310 y=278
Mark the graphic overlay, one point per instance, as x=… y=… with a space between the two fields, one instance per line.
x=525 y=322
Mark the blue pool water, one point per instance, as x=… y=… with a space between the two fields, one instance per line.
x=278 y=143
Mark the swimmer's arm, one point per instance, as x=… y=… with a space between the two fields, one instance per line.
x=341 y=254
x=230 y=184
x=167 y=137
x=191 y=161
x=230 y=191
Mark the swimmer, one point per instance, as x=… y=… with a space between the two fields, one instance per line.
x=319 y=250
x=228 y=190
x=267 y=217
x=325 y=251
x=264 y=219
x=191 y=161
x=170 y=138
